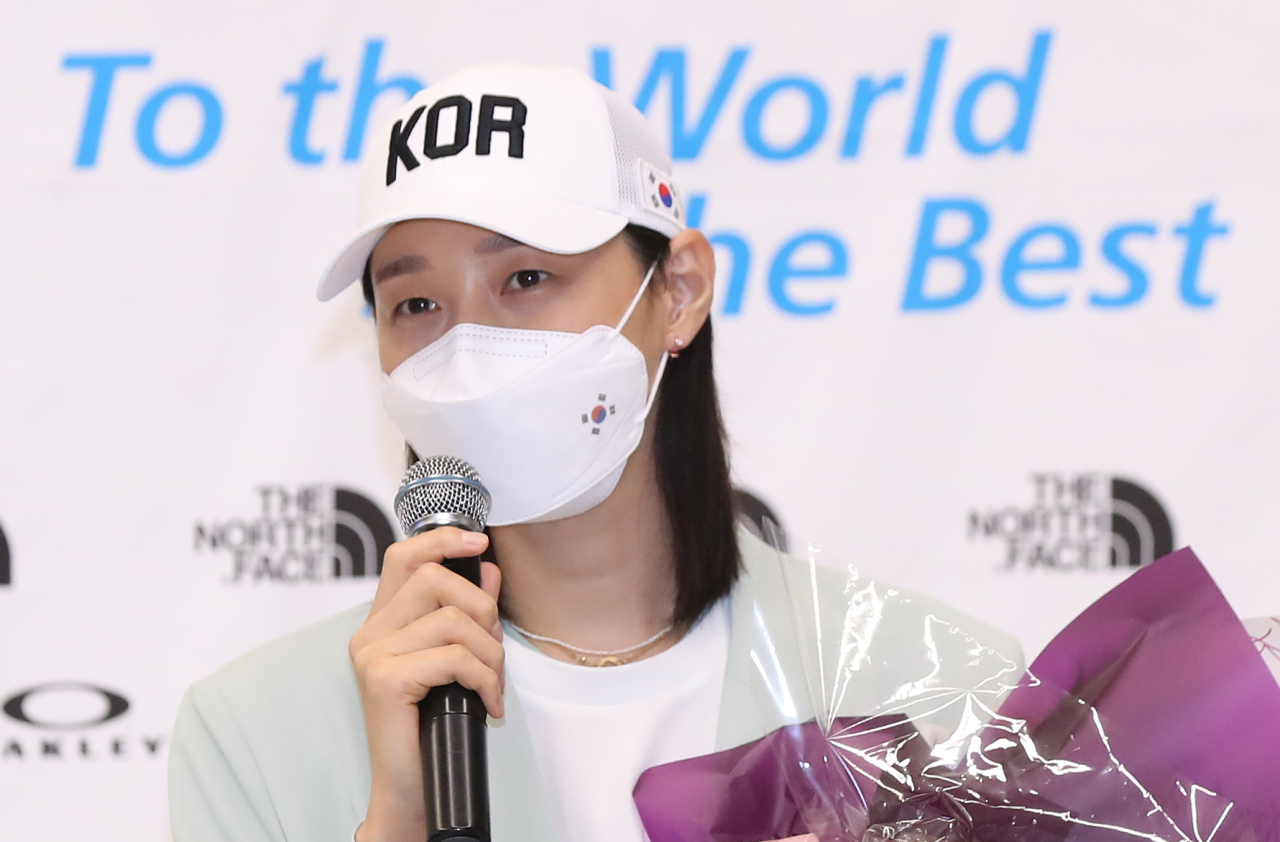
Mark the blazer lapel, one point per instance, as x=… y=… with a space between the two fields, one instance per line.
x=764 y=680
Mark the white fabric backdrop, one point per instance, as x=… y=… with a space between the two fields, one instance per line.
x=903 y=384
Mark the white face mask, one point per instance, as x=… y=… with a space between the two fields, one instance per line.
x=548 y=418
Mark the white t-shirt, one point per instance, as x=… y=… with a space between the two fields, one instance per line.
x=595 y=729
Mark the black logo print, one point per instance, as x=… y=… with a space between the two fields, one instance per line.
x=759 y=519
x=1079 y=521
x=1140 y=527
x=361 y=534
x=510 y=122
x=6 y=573
x=15 y=707
x=306 y=533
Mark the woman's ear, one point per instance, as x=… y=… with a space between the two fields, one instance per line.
x=690 y=283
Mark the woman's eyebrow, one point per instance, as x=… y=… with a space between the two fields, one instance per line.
x=402 y=265
x=496 y=243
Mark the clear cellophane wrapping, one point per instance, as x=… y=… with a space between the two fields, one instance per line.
x=1150 y=717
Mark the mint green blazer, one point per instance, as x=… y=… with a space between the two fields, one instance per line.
x=271 y=747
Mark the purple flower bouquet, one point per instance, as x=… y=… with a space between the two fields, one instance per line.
x=1150 y=717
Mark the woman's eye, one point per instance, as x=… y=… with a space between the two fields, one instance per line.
x=415 y=306
x=526 y=278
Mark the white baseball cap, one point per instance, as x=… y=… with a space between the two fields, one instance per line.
x=544 y=155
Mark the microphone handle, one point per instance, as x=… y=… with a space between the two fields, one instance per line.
x=451 y=734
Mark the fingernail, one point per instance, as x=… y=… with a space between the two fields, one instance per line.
x=474 y=539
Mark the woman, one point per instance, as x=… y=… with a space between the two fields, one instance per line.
x=541 y=312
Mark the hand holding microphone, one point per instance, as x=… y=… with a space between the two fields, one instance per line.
x=430 y=628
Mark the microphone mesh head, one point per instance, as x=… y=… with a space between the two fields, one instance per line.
x=441 y=485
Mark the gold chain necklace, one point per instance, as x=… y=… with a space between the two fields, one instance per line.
x=608 y=658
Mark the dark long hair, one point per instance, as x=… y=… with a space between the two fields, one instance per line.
x=692 y=461
x=690 y=456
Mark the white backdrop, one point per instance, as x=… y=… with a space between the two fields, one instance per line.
x=996 y=299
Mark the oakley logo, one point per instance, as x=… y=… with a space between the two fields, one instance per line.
x=66 y=706
x=510 y=121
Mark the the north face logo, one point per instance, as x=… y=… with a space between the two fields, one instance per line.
x=504 y=114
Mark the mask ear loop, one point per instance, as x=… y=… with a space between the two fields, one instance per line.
x=662 y=363
x=657 y=379
x=634 y=301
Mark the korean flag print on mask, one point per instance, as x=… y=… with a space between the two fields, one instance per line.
x=548 y=418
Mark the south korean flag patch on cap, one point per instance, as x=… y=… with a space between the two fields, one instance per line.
x=660 y=193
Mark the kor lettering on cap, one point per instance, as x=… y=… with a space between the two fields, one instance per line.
x=510 y=121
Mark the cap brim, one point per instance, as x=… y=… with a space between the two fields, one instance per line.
x=544 y=222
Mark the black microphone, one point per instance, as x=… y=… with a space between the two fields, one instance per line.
x=446 y=491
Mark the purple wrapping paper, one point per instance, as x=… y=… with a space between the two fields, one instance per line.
x=1188 y=693
x=755 y=791
x=1150 y=717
